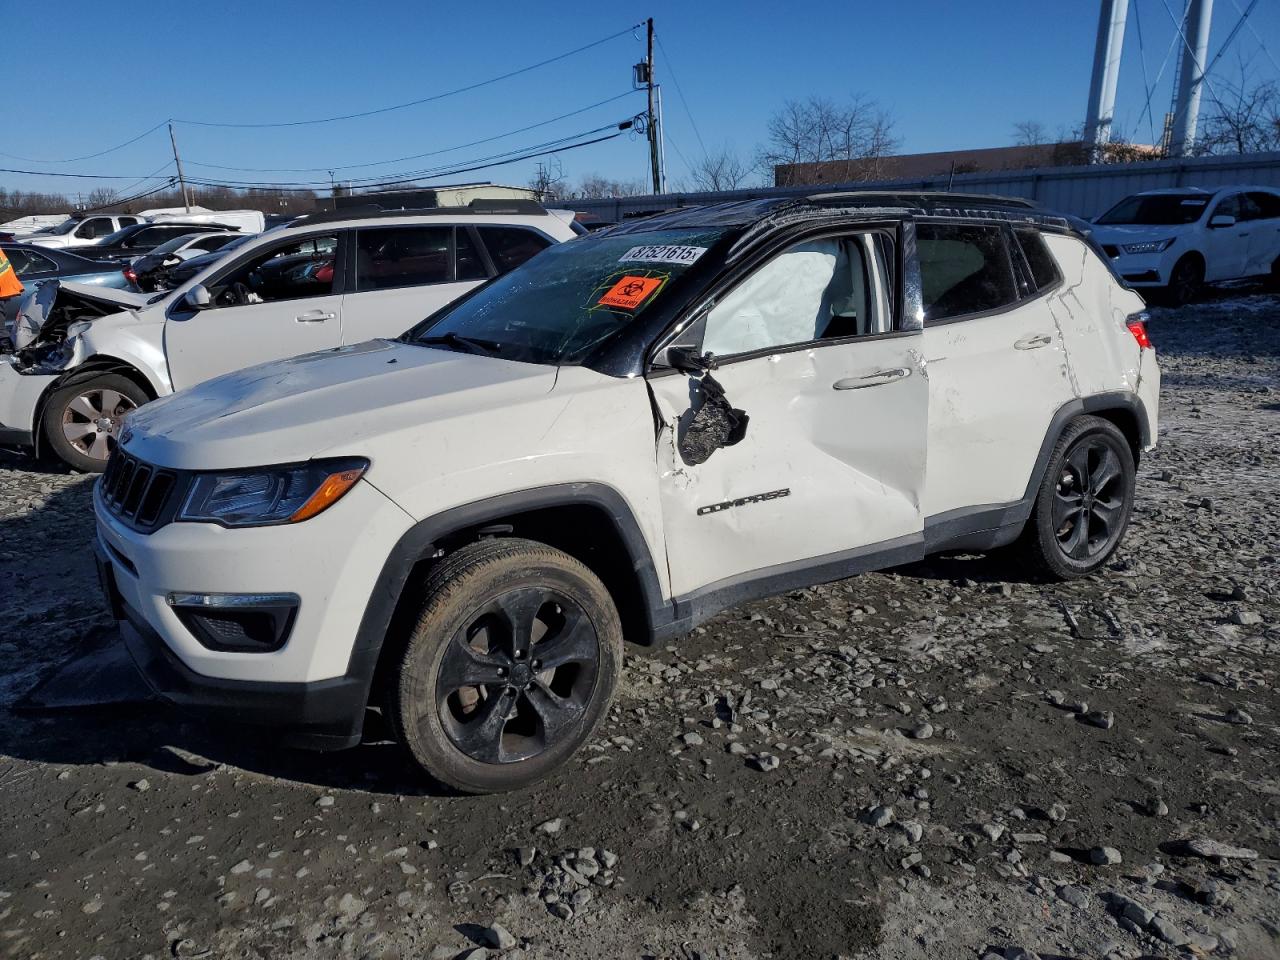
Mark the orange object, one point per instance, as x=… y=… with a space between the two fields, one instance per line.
x=629 y=292
x=329 y=493
x=10 y=285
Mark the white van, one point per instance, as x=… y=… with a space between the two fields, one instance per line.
x=246 y=221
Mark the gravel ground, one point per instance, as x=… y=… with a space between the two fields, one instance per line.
x=943 y=761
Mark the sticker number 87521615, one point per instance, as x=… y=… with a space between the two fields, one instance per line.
x=662 y=253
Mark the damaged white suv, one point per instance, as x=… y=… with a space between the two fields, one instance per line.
x=79 y=358
x=622 y=438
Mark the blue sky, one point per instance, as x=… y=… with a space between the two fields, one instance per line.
x=953 y=74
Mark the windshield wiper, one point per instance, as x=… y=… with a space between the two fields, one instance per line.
x=458 y=340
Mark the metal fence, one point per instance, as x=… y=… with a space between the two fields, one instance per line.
x=1084 y=191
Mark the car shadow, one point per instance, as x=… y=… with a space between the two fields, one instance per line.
x=70 y=696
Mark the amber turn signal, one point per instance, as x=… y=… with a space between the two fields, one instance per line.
x=327 y=494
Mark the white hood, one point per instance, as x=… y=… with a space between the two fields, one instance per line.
x=325 y=403
x=1138 y=232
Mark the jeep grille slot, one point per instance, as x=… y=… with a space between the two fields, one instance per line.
x=136 y=492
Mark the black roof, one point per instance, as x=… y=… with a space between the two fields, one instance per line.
x=374 y=211
x=871 y=202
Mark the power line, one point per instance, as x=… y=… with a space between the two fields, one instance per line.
x=120 y=201
x=150 y=176
x=680 y=90
x=415 y=156
x=1254 y=31
x=77 y=176
x=287 y=188
x=89 y=156
x=413 y=103
x=417 y=174
x=1142 y=57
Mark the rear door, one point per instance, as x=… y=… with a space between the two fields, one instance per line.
x=278 y=301
x=829 y=463
x=997 y=366
x=402 y=274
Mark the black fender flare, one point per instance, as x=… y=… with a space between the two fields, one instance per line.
x=421 y=540
x=1099 y=403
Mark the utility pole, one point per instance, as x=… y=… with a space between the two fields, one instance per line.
x=655 y=119
x=182 y=182
x=1191 y=76
x=1106 y=73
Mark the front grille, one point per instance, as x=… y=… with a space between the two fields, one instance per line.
x=136 y=492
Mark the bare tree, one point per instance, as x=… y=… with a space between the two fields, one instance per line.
x=1029 y=133
x=593 y=186
x=849 y=140
x=722 y=170
x=1244 y=119
x=549 y=180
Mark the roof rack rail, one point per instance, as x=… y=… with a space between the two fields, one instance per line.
x=375 y=211
x=920 y=197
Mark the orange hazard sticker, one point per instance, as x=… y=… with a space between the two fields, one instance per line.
x=629 y=292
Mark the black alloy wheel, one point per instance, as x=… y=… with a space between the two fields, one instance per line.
x=510 y=666
x=518 y=676
x=1083 y=502
x=1089 y=500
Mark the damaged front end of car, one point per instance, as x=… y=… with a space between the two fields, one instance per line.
x=44 y=333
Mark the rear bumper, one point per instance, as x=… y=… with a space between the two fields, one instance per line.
x=318 y=715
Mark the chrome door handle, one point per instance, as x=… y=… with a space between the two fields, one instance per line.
x=1033 y=342
x=873 y=379
x=314 y=316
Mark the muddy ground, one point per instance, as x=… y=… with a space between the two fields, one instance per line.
x=939 y=792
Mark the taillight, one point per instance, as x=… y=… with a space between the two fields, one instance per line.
x=130 y=275
x=1137 y=324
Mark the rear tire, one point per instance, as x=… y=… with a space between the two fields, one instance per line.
x=1085 y=499
x=1186 y=280
x=510 y=666
x=81 y=420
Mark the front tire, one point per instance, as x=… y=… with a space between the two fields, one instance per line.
x=1186 y=280
x=510 y=666
x=80 y=420
x=1083 y=506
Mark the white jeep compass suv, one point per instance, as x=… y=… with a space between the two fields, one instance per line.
x=620 y=439
x=79 y=358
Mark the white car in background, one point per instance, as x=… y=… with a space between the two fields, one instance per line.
x=79 y=358
x=1173 y=242
x=78 y=231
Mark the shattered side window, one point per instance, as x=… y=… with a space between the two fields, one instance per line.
x=964 y=269
x=567 y=300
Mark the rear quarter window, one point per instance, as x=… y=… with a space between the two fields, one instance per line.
x=1044 y=269
x=964 y=269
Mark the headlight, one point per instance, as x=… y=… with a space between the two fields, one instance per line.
x=267 y=495
x=1147 y=246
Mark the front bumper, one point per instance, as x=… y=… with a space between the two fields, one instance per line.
x=1144 y=269
x=20 y=395
x=313 y=690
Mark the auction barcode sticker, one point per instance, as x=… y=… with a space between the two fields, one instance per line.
x=659 y=253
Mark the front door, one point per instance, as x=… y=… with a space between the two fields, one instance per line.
x=829 y=462
x=1227 y=253
x=279 y=301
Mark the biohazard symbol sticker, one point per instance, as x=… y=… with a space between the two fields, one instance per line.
x=629 y=292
